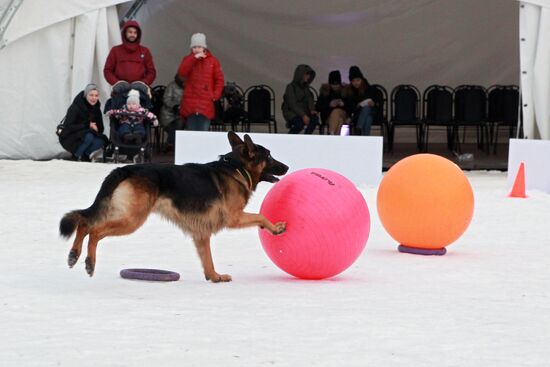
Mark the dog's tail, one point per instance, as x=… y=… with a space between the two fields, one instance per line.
x=73 y=219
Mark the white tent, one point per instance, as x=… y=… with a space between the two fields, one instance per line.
x=534 y=38
x=52 y=49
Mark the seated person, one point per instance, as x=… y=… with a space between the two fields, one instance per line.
x=330 y=103
x=298 y=109
x=169 y=112
x=132 y=117
x=359 y=101
x=82 y=134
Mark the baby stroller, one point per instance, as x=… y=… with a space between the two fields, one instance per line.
x=141 y=151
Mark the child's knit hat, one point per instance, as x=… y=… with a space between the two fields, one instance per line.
x=133 y=96
x=198 y=39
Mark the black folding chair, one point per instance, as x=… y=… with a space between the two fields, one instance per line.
x=217 y=124
x=157 y=93
x=260 y=107
x=437 y=111
x=470 y=106
x=503 y=110
x=381 y=112
x=405 y=112
x=235 y=114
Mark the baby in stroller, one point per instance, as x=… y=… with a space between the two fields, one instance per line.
x=131 y=125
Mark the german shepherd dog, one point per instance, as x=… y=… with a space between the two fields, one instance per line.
x=201 y=199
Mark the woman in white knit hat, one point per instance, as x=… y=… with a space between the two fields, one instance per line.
x=203 y=77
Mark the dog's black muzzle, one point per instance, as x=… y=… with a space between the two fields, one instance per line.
x=274 y=168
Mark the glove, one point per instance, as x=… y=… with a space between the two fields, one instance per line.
x=155 y=122
x=364 y=103
x=336 y=103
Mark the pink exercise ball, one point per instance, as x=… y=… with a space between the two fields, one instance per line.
x=327 y=223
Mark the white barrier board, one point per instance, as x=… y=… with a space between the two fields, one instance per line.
x=359 y=158
x=536 y=156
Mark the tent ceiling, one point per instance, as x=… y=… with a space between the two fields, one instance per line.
x=545 y=3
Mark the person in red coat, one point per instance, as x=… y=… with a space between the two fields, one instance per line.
x=130 y=65
x=203 y=78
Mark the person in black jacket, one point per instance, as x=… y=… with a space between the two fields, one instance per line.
x=298 y=109
x=82 y=134
x=331 y=104
x=359 y=100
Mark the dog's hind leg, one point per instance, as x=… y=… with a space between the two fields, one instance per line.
x=203 y=248
x=132 y=203
x=118 y=227
x=74 y=254
x=90 y=258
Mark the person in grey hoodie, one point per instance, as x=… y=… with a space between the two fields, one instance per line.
x=298 y=109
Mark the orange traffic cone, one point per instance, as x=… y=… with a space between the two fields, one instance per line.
x=518 y=190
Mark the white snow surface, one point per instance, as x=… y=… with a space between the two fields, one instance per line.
x=485 y=303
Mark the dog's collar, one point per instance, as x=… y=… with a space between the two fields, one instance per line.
x=246 y=176
x=240 y=170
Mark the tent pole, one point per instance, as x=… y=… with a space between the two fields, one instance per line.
x=6 y=18
x=131 y=13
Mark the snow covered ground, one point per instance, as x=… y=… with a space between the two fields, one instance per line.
x=485 y=303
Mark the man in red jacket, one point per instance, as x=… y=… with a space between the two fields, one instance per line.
x=203 y=78
x=130 y=65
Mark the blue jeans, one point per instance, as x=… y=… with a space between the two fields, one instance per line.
x=297 y=125
x=90 y=144
x=136 y=129
x=197 y=122
x=364 y=122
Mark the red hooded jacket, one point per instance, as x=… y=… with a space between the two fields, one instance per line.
x=131 y=62
x=203 y=84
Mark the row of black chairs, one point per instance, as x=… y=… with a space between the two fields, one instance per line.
x=466 y=106
x=439 y=106
x=257 y=103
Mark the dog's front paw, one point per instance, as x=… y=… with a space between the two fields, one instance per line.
x=279 y=228
x=216 y=278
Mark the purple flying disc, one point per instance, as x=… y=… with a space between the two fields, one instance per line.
x=422 y=251
x=155 y=275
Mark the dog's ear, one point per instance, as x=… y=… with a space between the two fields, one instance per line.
x=250 y=146
x=234 y=139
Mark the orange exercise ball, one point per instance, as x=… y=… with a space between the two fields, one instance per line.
x=425 y=202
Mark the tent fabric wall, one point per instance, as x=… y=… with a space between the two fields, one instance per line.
x=46 y=69
x=534 y=37
x=394 y=41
